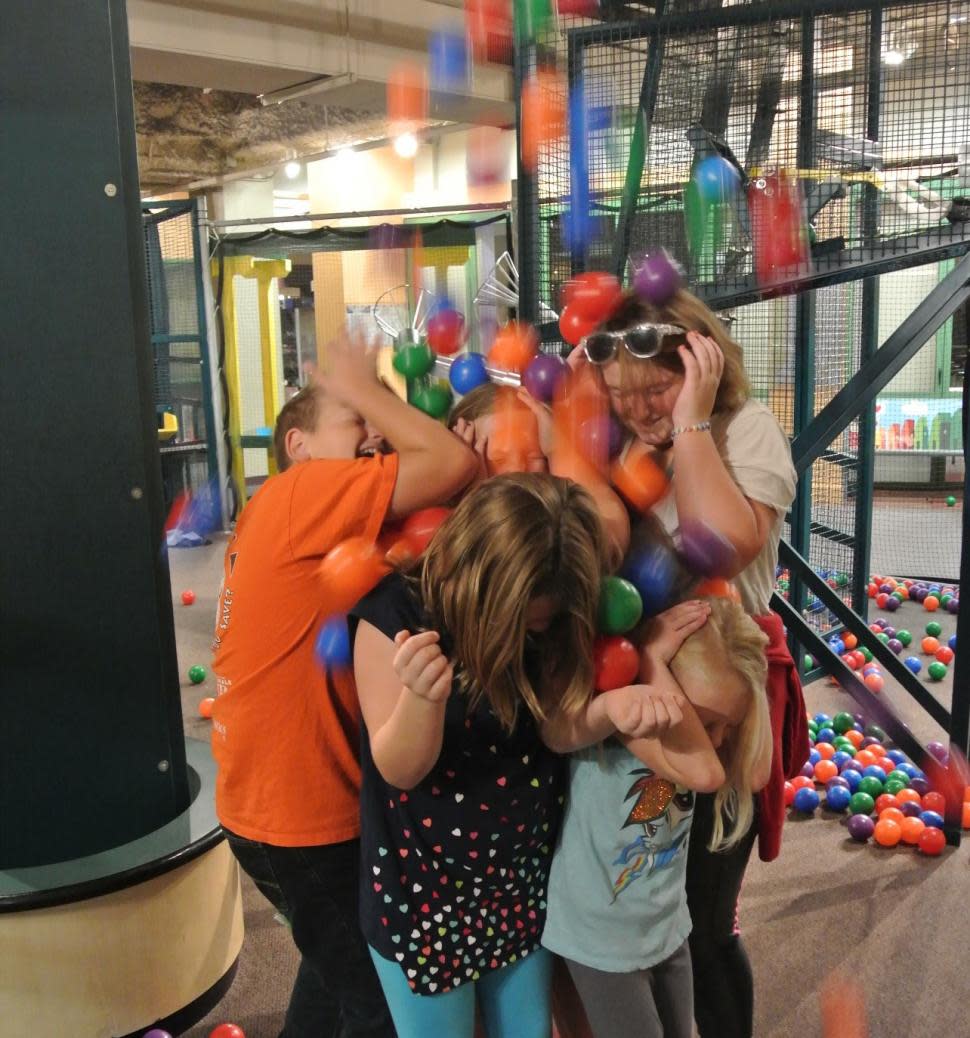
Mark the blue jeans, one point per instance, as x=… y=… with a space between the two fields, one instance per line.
x=336 y=993
x=515 y=1002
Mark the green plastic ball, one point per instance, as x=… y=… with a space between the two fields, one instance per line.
x=813 y=726
x=884 y=638
x=871 y=785
x=945 y=601
x=894 y=786
x=897 y=776
x=197 y=674
x=842 y=579
x=933 y=629
x=904 y=636
x=620 y=606
x=843 y=722
x=810 y=665
x=784 y=585
x=434 y=400
x=875 y=732
x=867 y=653
x=936 y=671
x=899 y=596
x=414 y=360
x=951 y=501
x=861 y=803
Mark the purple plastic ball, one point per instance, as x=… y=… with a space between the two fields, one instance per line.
x=860 y=827
x=953 y=606
x=707 y=553
x=657 y=278
x=890 y=631
x=894 y=645
x=937 y=749
x=886 y=589
x=837 y=781
x=594 y=431
x=859 y=719
x=892 y=604
x=920 y=784
x=542 y=376
x=156 y=1032
x=910 y=808
x=868 y=741
x=808 y=770
x=880 y=622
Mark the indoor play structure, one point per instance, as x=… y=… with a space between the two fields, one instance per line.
x=808 y=166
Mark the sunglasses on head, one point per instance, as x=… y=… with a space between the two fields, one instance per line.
x=641 y=341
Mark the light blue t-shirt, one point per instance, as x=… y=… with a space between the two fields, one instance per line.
x=617 y=897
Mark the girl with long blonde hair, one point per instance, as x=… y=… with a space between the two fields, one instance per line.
x=457 y=664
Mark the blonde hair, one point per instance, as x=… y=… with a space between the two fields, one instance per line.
x=514 y=538
x=686 y=310
x=731 y=641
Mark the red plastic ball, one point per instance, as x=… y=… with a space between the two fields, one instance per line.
x=802 y=782
x=574 y=327
x=932 y=841
x=615 y=662
x=227 y=1031
x=885 y=800
x=945 y=654
x=421 y=526
x=592 y=295
x=790 y=792
x=881 y=599
x=188 y=597
x=934 y=801
x=205 y=706
x=446 y=331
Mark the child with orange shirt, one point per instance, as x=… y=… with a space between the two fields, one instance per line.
x=285 y=733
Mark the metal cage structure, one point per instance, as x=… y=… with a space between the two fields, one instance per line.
x=861 y=352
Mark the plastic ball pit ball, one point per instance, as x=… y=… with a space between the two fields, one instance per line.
x=802 y=782
x=156 y=1032
x=894 y=645
x=911 y=809
x=936 y=671
x=920 y=784
x=825 y=770
x=837 y=798
x=205 y=706
x=887 y=833
x=790 y=792
x=825 y=735
x=197 y=674
x=884 y=801
x=933 y=629
x=904 y=636
x=823 y=720
x=188 y=597
x=227 y=1031
x=861 y=803
x=944 y=655
x=853 y=777
x=620 y=606
x=860 y=827
x=839 y=781
x=952 y=643
x=332 y=647
x=871 y=785
x=806 y=800
x=843 y=722
x=657 y=278
x=931 y=603
x=934 y=801
x=808 y=770
x=468 y=372
x=892 y=604
x=929 y=645
x=615 y=662
x=892 y=813
x=542 y=376
x=825 y=750
x=932 y=819
x=874 y=771
x=894 y=786
x=914 y=664
x=931 y=842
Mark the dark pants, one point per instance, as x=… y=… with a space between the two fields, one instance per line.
x=723 y=984
x=336 y=994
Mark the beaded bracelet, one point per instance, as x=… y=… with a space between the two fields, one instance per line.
x=698 y=427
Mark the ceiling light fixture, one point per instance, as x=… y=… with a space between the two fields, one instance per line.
x=406 y=145
x=292 y=170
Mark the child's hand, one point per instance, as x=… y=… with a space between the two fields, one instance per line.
x=670 y=629
x=422 y=666
x=641 y=712
x=351 y=362
x=543 y=416
x=469 y=433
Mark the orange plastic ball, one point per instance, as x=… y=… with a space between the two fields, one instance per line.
x=640 y=480
x=825 y=750
x=893 y=814
x=887 y=832
x=825 y=770
x=849 y=640
x=908 y=796
x=864 y=758
x=853 y=734
x=930 y=645
x=205 y=706
x=874 y=683
x=931 y=603
x=407 y=97
x=717 y=587
x=543 y=113
x=877 y=750
x=912 y=829
x=348 y=572
x=515 y=346
x=966 y=794
x=902 y=591
x=893 y=584
x=966 y=816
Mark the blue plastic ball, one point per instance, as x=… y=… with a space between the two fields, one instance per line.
x=467 y=372
x=814 y=756
x=933 y=818
x=953 y=642
x=448 y=61
x=896 y=756
x=910 y=769
x=332 y=648
x=837 y=798
x=806 y=800
x=826 y=735
x=653 y=572
x=874 y=771
x=716 y=179
x=823 y=720
x=837 y=646
x=853 y=777
x=914 y=663
x=842 y=759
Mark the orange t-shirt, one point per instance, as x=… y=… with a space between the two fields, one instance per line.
x=285 y=735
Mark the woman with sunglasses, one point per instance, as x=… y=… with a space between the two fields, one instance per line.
x=676 y=381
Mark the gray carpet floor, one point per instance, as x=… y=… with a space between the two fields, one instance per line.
x=894 y=921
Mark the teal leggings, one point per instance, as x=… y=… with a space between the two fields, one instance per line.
x=515 y=1002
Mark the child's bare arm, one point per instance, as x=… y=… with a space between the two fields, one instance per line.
x=637 y=710
x=684 y=754
x=433 y=463
x=403 y=688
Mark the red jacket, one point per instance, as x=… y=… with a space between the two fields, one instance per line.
x=789 y=729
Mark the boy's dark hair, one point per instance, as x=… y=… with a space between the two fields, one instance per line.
x=300 y=412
